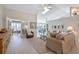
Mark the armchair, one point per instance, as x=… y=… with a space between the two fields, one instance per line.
x=29 y=35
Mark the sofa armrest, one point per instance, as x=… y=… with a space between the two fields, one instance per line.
x=69 y=42
x=55 y=44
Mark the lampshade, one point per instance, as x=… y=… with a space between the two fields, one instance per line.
x=70 y=28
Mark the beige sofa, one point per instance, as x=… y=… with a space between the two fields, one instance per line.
x=64 y=45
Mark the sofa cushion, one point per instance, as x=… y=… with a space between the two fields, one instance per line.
x=53 y=34
x=60 y=36
x=3 y=30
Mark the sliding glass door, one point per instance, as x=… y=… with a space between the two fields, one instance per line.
x=16 y=26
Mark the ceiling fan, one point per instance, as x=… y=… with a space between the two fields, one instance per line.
x=47 y=8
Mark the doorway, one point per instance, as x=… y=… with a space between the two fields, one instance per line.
x=16 y=26
x=41 y=30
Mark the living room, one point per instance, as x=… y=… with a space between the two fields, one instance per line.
x=35 y=28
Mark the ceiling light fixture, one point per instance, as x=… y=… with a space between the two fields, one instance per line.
x=46 y=9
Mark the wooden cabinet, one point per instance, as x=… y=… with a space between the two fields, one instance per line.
x=4 y=40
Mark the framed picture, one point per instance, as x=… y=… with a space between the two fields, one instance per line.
x=62 y=26
x=55 y=27
x=74 y=11
x=32 y=25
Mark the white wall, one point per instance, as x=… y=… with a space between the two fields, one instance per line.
x=18 y=15
x=67 y=21
x=0 y=15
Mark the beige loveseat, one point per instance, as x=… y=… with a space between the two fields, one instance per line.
x=61 y=45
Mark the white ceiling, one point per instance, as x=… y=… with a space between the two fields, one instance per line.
x=27 y=8
x=57 y=10
x=60 y=10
